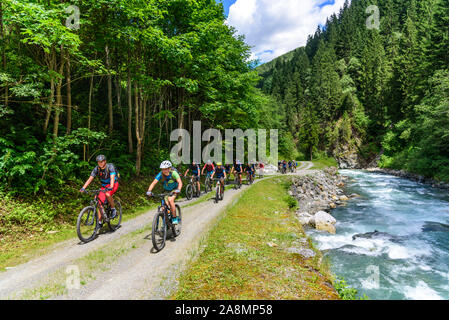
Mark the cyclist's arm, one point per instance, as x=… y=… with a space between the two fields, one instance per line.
x=88 y=182
x=153 y=184
x=185 y=174
x=202 y=171
x=179 y=184
x=213 y=174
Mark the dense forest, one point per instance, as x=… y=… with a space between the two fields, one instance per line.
x=361 y=93
x=117 y=82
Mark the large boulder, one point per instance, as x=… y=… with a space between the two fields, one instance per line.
x=304 y=218
x=324 y=221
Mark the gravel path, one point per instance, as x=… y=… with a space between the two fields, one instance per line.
x=120 y=265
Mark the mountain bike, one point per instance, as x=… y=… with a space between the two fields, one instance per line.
x=87 y=224
x=162 y=222
x=191 y=189
x=237 y=182
x=208 y=183
x=219 y=191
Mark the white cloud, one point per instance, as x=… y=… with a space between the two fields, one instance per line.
x=275 y=27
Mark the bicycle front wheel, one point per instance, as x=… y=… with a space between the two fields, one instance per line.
x=114 y=224
x=86 y=225
x=159 y=231
x=217 y=194
x=189 y=192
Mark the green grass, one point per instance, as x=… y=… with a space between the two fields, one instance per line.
x=320 y=164
x=245 y=255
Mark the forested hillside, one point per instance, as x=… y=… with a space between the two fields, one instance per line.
x=356 y=92
x=118 y=85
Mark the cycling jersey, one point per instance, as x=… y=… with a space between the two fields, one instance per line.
x=219 y=173
x=105 y=174
x=170 y=181
x=238 y=167
x=228 y=168
x=195 y=169
x=209 y=167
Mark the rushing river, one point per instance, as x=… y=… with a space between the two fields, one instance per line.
x=409 y=257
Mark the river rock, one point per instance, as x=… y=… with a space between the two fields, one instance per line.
x=304 y=218
x=344 y=198
x=324 y=221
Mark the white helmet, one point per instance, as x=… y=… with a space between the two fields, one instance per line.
x=166 y=164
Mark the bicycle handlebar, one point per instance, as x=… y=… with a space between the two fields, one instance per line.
x=163 y=195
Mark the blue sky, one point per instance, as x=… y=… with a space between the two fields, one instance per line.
x=275 y=27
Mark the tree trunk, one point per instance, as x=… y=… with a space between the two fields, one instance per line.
x=3 y=45
x=50 y=105
x=58 y=97
x=130 y=112
x=52 y=92
x=89 y=114
x=89 y=107
x=69 y=97
x=138 y=133
x=108 y=66
x=118 y=89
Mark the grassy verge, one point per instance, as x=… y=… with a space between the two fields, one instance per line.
x=320 y=164
x=18 y=252
x=250 y=253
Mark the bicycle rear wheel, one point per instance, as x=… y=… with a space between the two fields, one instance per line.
x=189 y=192
x=86 y=224
x=159 y=231
x=114 y=224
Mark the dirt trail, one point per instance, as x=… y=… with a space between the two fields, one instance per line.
x=120 y=265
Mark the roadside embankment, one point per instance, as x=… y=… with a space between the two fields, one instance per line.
x=317 y=194
x=258 y=250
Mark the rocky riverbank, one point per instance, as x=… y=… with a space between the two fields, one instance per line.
x=411 y=176
x=318 y=194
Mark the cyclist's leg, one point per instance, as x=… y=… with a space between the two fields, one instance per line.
x=102 y=199
x=196 y=179
x=109 y=195
x=171 y=203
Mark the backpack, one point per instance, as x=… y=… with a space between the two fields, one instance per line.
x=117 y=177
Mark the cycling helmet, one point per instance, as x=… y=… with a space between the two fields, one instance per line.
x=166 y=164
x=219 y=164
x=101 y=158
x=238 y=162
x=209 y=162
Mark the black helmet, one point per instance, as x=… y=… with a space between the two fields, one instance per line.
x=101 y=158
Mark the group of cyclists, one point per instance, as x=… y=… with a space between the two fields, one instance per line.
x=284 y=164
x=170 y=177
